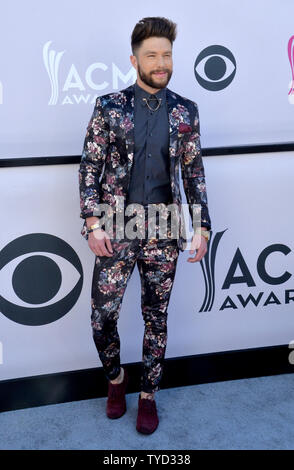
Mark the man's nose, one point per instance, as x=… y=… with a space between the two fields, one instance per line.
x=160 y=61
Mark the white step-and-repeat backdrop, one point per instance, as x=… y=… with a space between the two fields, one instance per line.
x=234 y=58
x=236 y=61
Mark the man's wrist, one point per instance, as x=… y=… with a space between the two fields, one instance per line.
x=91 y=221
x=205 y=233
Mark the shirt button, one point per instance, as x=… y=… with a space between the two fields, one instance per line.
x=150 y=134
x=147 y=177
x=149 y=154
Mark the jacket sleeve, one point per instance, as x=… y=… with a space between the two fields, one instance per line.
x=192 y=171
x=92 y=161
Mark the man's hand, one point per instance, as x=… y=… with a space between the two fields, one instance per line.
x=99 y=242
x=198 y=243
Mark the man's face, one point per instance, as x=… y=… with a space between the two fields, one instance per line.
x=154 y=63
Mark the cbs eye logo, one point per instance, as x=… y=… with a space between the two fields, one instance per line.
x=215 y=68
x=37 y=286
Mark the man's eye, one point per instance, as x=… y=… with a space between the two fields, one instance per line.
x=166 y=55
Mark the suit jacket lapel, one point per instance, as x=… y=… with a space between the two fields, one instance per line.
x=174 y=120
x=129 y=117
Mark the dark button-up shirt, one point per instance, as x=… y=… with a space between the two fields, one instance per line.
x=150 y=176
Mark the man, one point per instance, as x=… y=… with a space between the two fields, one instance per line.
x=135 y=142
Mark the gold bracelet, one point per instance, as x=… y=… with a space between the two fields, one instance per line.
x=94 y=227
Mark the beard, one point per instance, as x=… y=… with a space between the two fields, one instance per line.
x=154 y=82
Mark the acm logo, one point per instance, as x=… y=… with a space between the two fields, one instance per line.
x=246 y=277
x=75 y=88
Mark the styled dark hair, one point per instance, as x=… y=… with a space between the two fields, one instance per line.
x=152 y=26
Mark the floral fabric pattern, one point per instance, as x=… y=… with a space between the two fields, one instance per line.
x=108 y=154
x=156 y=259
x=104 y=177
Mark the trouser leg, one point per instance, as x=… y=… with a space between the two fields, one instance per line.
x=110 y=277
x=157 y=267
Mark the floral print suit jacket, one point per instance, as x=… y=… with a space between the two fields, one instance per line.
x=108 y=155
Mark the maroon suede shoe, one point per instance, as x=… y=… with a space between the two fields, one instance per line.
x=116 y=401
x=147 y=419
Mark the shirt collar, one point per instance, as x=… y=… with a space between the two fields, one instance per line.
x=141 y=93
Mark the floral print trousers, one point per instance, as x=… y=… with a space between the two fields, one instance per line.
x=156 y=259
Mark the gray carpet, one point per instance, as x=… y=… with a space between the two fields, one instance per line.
x=253 y=413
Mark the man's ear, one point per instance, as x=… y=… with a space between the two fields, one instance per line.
x=133 y=61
